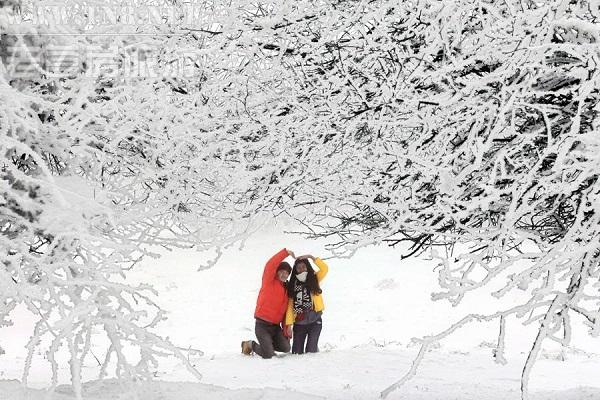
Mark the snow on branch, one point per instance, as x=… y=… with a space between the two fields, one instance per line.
x=455 y=125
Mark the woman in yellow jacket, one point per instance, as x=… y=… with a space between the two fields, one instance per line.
x=305 y=304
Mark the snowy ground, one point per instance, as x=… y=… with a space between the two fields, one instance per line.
x=374 y=305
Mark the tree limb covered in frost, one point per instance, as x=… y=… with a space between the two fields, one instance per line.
x=97 y=171
x=471 y=125
x=468 y=125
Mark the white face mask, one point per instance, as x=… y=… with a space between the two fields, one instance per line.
x=301 y=276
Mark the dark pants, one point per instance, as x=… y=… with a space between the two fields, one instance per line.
x=307 y=333
x=270 y=339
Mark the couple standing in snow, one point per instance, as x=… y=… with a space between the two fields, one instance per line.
x=284 y=304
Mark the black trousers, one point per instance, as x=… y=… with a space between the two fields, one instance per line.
x=270 y=339
x=306 y=337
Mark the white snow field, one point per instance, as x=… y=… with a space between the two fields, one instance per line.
x=374 y=305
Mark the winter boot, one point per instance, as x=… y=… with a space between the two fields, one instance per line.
x=247 y=347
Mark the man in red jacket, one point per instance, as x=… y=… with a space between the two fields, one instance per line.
x=271 y=306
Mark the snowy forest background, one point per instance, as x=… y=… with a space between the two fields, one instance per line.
x=462 y=131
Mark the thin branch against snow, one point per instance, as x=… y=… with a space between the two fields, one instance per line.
x=499 y=349
x=546 y=328
x=411 y=372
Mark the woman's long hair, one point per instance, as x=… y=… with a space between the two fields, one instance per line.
x=311 y=279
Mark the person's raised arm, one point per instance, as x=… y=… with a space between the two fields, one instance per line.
x=273 y=263
x=323 y=268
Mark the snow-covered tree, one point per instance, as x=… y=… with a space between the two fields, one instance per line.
x=448 y=125
x=471 y=126
x=108 y=153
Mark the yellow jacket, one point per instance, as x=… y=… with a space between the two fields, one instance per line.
x=317 y=299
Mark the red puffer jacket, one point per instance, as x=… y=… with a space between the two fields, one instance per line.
x=272 y=298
